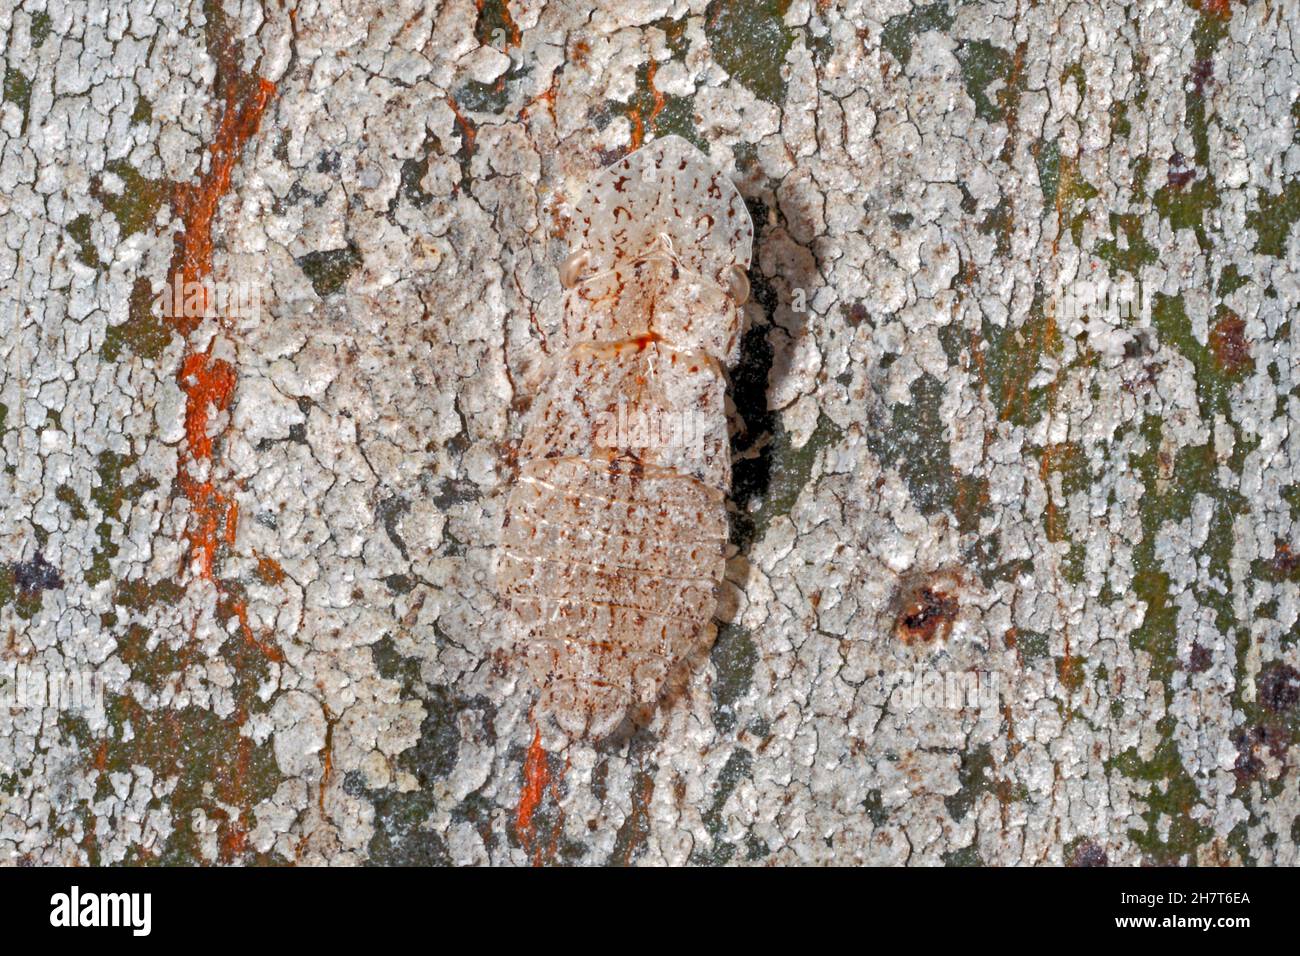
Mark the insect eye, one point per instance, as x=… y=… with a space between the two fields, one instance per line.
x=572 y=267
x=738 y=285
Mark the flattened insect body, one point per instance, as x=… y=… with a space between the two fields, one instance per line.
x=687 y=310
x=645 y=402
x=615 y=532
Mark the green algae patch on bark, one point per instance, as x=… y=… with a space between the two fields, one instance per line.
x=329 y=270
x=136 y=205
x=901 y=30
x=1273 y=221
x=734 y=657
x=144 y=333
x=749 y=40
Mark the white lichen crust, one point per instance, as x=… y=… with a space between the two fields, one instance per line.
x=1004 y=582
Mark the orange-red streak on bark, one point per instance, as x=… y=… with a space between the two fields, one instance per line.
x=536 y=777
x=467 y=129
x=1215 y=8
x=659 y=101
x=196 y=205
x=209 y=383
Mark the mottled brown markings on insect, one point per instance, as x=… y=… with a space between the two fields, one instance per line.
x=508 y=456
x=611 y=556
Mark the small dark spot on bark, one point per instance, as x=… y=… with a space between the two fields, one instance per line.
x=1251 y=743
x=1278 y=688
x=1180 y=174
x=389 y=512
x=1139 y=346
x=1228 y=339
x=855 y=314
x=1285 y=561
x=330 y=269
x=927 y=613
x=37 y=575
x=1088 y=853
x=1247 y=766
x=1202 y=72
x=454 y=490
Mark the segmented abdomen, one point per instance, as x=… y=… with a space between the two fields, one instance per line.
x=611 y=576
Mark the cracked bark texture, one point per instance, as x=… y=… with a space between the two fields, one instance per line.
x=270 y=537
